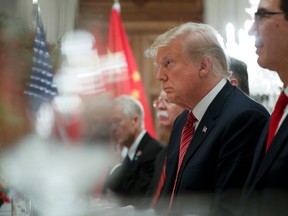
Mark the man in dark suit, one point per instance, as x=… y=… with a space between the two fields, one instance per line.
x=266 y=189
x=131 y=179
x=193 y=70
x=166 y=113
x=239 y=75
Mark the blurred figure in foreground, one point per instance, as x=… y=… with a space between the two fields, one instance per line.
x=266 y=189
x=54 y=177
x=211 y=145
x=239 y=75
x=15 y=49
x=131 y=179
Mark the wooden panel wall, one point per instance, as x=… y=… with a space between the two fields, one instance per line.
x=143 y=21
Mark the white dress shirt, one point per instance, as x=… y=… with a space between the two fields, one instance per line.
x=131 y=151
x=200 y=109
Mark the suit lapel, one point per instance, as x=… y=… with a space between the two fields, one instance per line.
x=207 y=123
x=173 y=149
x=273 y=151
x=140 y=147
x=258 y=157
x=197 y=140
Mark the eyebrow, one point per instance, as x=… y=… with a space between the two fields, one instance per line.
x=261 y=10
x=161 y=61
x=164 y=59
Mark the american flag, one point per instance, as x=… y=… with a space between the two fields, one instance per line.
x=41 y=88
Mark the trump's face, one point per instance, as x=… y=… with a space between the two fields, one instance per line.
x=179 y=76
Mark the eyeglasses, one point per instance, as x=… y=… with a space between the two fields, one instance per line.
x=262 y=14
x=159 y=100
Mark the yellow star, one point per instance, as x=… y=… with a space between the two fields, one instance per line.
x=136 y=76
x=135 y=94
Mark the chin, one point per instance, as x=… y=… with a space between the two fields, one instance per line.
x=259 y=62
x=163 y=125
x=263 y=63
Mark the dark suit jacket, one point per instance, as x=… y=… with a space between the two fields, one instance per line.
x=266 y=189
x=219 y=156
x=131 y=180
x=159 y=163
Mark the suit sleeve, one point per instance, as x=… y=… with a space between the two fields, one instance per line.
x=115 y=178
x=135 y=179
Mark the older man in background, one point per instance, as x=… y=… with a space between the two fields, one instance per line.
x=131 y=179
x=239 y=75
x=166 y=113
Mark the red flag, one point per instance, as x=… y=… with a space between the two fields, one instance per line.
x=132 y=85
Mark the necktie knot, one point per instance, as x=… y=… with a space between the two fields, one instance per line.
x=276 y=117
x=191 y=118
x=281 y=102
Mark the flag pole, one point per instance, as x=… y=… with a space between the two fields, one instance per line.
x=117 y=6
x=35 y=12
x=118 y=42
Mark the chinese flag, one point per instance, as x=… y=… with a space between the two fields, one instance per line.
x=118 y=42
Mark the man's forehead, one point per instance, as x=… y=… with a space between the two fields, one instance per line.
x=269 y=4
x=167 y=53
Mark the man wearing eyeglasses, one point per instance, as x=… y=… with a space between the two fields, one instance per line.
x=166 y=111
x=266 y=189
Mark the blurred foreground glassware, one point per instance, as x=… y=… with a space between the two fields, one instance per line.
x=21 y=205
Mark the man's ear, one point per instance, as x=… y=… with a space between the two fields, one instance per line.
x=234 y=82
x=136 y=120
x=205 y=66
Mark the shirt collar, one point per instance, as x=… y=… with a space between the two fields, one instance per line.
x=203 y=105
x=286 y=91
x=134 y=146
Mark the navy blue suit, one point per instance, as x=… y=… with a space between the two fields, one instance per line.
x=266 y=189
x=219 y=156
x=132 y=179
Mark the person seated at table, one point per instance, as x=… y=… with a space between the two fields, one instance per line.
x=131 y=179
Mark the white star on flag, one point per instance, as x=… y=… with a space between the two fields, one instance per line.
x=41 y=87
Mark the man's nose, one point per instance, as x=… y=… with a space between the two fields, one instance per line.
x=161 y=105
x=253 y=28
x=160 y=75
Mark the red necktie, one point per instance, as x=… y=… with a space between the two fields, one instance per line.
x=160 y=186
x=275 y=117
x=100 y=187
x=187 y=134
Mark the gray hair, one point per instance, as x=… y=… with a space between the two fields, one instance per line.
x=200 y=40
x=131 y=107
